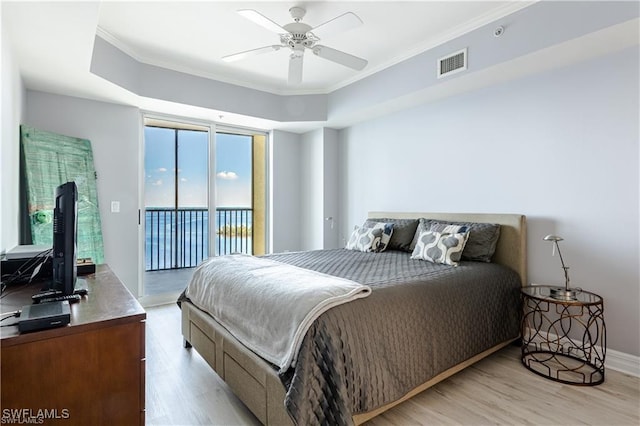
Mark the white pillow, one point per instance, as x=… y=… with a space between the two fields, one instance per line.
x=440 y=247
x=387 y=231
x=364 y=239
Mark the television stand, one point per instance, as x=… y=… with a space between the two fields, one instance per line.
x=100 y=356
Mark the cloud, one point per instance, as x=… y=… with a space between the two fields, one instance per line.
x=227 y=175
x=183 y=179
x=157 y=183
x=162 y=169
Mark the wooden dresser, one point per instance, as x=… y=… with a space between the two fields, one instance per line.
x=91 y=372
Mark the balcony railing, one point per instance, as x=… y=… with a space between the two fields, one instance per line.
x=177 y=238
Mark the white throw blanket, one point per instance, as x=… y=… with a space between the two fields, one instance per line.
x=267 y=305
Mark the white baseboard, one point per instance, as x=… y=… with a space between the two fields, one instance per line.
x=623 y=362
x=158 y=299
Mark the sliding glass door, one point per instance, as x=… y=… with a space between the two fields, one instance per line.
x=184 y=223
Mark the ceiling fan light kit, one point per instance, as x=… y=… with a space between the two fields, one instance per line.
x=299 y=36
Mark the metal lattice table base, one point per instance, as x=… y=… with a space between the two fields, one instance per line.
x=563 y=368
x=563 y=340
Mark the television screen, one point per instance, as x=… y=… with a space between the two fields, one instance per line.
x=65 y=224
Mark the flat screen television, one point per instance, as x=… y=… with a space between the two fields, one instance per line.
x=65 y=228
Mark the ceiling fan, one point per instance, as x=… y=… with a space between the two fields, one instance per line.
x=299 y=36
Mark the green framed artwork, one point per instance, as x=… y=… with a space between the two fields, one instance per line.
x=49 y=160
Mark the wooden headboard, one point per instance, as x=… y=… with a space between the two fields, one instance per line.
x=511 y=250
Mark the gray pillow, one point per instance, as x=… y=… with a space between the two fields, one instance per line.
x=424 y=225
x=483 y=238
x=403 y=232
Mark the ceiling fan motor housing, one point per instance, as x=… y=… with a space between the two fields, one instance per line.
x=298 y=34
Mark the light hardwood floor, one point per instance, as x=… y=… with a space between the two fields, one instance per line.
x=183 y=390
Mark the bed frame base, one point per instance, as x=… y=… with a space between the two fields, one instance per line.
x=364 y=417
x=256 y=383
x=250 y=377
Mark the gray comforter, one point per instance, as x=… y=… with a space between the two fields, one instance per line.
x=420 y=320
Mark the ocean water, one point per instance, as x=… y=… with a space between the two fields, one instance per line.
x=179 y=239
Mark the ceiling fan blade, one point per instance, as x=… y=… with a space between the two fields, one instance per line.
x=295 y=69
x=262 y=20
x=340 y=57
x=337 y=25
x=252 y=52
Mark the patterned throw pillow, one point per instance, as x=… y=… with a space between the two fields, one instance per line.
x=387 y=231
x=482 y=241
x=364 y=239
x=403 y=232
x=439 y=247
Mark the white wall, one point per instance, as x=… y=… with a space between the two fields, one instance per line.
x=330 y=207
x=12 y=111
x=114 y=134
x=559 y=147
x=285 y=172
x=319 y=191
x=312 y=196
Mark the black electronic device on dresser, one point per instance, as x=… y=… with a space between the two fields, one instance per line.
x=65 y=225
x=43 y=316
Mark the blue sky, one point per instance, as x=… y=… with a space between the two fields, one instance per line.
x=232 y=169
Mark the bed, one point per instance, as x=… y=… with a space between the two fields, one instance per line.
x=359 y=359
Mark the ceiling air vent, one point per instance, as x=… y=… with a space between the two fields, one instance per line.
x=452 y=63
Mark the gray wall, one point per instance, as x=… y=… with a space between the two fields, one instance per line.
x=114 y=132
x=559 y=147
